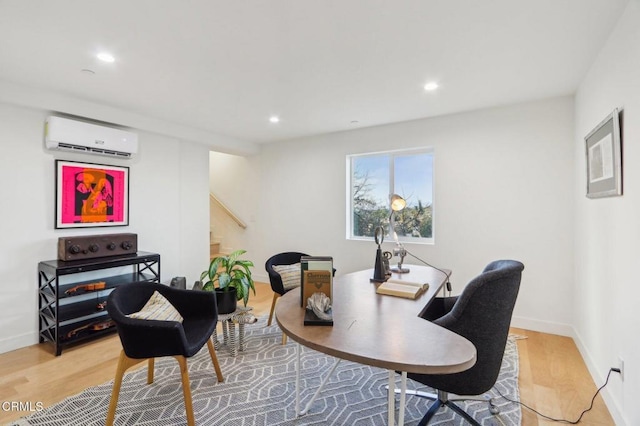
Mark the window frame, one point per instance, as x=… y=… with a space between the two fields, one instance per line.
x=392 y=155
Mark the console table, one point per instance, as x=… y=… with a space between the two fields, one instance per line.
x=73 y=294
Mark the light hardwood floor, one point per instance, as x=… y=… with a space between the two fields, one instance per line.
x=553 y=376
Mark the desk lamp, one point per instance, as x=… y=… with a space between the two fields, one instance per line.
x=397 y=204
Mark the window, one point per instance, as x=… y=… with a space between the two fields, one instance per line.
x=374 y=178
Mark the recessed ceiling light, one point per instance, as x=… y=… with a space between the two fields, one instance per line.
x=274 y=119
x=105 y=57
x=431 y=86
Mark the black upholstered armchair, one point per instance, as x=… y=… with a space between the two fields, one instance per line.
x=145 y=339
x=482 y=314
x=287 y=258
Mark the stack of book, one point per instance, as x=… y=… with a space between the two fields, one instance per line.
x=317 y=276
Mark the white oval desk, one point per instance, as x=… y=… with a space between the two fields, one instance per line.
x=379 y=330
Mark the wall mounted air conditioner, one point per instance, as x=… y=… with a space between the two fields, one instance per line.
x=78 y=136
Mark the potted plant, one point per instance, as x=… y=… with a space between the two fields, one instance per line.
x=231 y=278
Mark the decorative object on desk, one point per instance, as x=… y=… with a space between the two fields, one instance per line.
x=402 y=288
x=386 y=257
x=315 y=281
x=318 y=310
x=397 y=204
x=317 y=288
x=230 y=274
x=604 y=158
x=378 y=268
x=361 y=400
x=91 y=195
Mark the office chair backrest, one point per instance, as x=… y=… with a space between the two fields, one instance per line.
x=482 y=314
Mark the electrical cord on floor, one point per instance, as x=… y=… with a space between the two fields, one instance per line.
x=447 y=283
x=617 y=370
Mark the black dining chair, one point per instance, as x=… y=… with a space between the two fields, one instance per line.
x=482 y=314
x=277 y=285
x=146 y=339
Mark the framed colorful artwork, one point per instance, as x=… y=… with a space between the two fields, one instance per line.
x=91 y=195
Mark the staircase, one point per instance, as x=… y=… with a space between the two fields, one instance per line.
x=214 y=245
x=215 y=240
x=214 y=249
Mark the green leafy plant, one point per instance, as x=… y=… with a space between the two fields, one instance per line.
x=230 y=271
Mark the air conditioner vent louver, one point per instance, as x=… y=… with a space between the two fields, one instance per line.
x=78 y=136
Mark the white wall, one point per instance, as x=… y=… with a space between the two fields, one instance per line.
x=168 y=210
x=607 y=231
x=503 y=189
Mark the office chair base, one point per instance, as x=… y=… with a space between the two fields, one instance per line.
x=442 y=400
x=493 y=409
x=436 y=406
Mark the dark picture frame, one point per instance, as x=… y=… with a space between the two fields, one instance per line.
x=604 y=158
x=90 y=195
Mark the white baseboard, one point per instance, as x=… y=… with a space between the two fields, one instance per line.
x=599 y=378
x=261 y=278
x=16 y=342
x=543 y=326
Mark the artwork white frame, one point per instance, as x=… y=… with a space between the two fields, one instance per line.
x=604 y=158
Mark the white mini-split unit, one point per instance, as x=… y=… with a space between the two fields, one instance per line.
x=78 y=136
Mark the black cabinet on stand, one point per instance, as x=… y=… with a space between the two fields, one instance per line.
x=72 y=295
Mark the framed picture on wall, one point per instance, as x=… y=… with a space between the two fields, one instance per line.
x=91 y=195
x=604 y=158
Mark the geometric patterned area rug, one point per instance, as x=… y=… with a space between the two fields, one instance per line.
x=259 y=389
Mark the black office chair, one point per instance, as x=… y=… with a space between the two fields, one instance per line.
x=145 y=339
x=482 y=314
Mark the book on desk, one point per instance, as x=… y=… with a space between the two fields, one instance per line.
x=317 y=277
x=402 y=288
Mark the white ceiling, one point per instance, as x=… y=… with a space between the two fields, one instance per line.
x=224 y=67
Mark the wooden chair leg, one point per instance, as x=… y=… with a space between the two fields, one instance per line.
x=124 y=363
x=214 y=360
x=186 y=390
x=150 y=371
x=273 y=306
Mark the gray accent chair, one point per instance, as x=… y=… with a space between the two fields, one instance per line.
x=481 y=314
